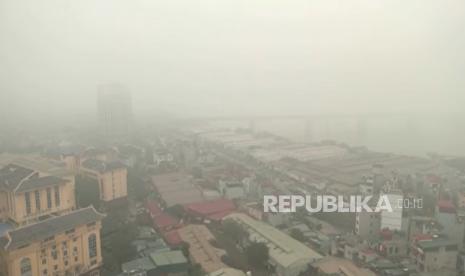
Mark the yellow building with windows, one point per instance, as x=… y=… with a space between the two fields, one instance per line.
x=111 y=178
x=26 y=196
x=64 y=245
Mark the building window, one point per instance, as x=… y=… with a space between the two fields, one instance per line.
x=102 y=189
x=54 y=254
x=57 y=195
x=25 y=266
x=92 y=240
x=49 y=198
x=37 y=198
x=28 y=202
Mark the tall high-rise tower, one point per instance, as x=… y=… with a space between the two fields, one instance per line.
x=114 y=110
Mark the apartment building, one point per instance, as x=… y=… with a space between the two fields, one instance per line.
x=367 y=224
x=288 y=256
x=111 y=178
x=63 y=245
x=435 y=253
x=26 y=196
x=114 y=109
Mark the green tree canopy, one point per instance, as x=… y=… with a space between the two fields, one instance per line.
x=297 y=234
x=233 y=230
x=257 y=254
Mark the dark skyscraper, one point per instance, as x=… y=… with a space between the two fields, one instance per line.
x=115 y=110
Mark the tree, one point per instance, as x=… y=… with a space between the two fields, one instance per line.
x=87 y=192
x=120 y=243
x=297 y=234
x=185 y=249
x=233 y=230
x=196 y=270
x=257 y=254
x=136 y=186
x=177 y=211
x=149 y=155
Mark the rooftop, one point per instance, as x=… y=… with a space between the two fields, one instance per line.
x=102 y=166
x=142 y=264
x=12 y=175
x=339 y=266
x=172 y=238
x=436 y=243
x=40 y=182
x=164 y=220
x=37 y=163
x=168 y=258
x=201 y=250
x=176 y=188
x=227 y=272
x=5 y=227
x=153 y=208
x=283 y=249
x=211 y=208
x=47 y=228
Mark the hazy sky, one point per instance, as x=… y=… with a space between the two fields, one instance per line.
x=230 y=57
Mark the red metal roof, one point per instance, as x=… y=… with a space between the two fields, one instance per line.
x=432 y=178
x=164 y=220
x=446 y=206
x=172 y=238
x=386 y=234
x=211 y=207
x=422 y=237
x=153 y=208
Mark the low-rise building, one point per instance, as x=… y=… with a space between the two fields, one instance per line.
x=63 y=245
x=338 y=266
x=394 y=246
x=288 y=256
x=434 y=253
x=213 y=210
x=201 y=251
x=27 y=196
x=111 y=178
x=139 y=267
x=392 y=220
x=170 y=263
x=453 y=225
x=176 y=189
x=227 y=272
x=367 y=224
x=232 y=189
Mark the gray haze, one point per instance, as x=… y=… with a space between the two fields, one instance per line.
x=206 y=57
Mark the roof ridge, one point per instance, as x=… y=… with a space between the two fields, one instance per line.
x=57 y=217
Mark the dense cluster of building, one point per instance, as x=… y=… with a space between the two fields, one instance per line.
x=423 y=235
x=43 y=230
x=197 y=181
